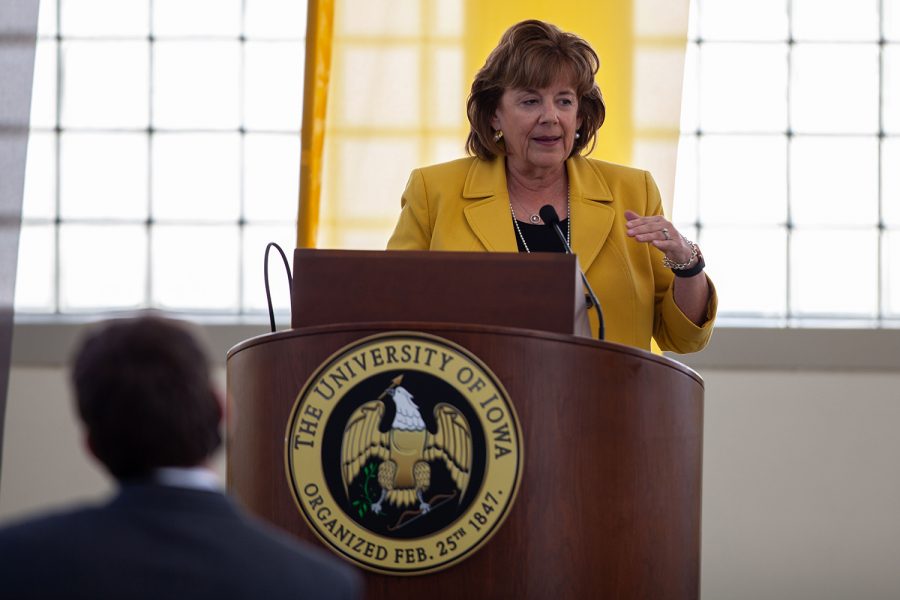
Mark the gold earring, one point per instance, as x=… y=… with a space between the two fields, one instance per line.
x=498 y=135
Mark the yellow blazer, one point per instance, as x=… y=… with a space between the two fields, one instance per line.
x=464 y=205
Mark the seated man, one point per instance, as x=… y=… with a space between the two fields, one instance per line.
x=152 y=417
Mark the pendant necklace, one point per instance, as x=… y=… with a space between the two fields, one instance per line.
x=536 y=219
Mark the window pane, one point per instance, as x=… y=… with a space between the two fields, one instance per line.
x=196 y=85
x=659 y=19
x=47 y=19
x=372 y=100
x=196 y=176
x=105 y=84
x=103 y=176
x=742 y=20
x=743 y=179
x=117 y=18
x=197 y=17
x=274 y=19
x=891 y=272
x=273 y=85
x=657 y=156
x=891 y=92
x=35 y=276
x=441 y=149
x=890 y=181
x=817 y=256
x=102 y=267
x=743 y=87
x=658 y=73
x=891 y=19
x=690 y=119
x=849 y=196
x=448 y=18
x=40 y=177
x=686 y=184
x=747 y=282
x=834 y=20
x=448 y=91
x=381 y=168
x=196 y=268
x=256 y=237
x=377 y=17
x=834 y=88
x=271 y=177
x=43 y=92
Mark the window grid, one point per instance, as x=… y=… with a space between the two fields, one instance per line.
x=790 y=314
x=882 y=227
x=885 y=312
x=789 y=225
x=58 y=129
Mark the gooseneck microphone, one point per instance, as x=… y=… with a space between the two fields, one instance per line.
x=549 y=216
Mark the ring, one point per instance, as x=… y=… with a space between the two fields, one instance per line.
x=665 y=232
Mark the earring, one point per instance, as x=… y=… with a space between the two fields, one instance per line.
x=577 y=135
x=498 y=135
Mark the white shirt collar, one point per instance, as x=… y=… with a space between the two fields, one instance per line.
x=196 y=478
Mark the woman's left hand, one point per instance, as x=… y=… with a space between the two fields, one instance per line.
x=691 y=294
x=660 y=232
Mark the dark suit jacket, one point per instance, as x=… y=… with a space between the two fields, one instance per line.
x=157 y=542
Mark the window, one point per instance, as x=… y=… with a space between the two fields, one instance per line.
x=164 y=153
x=788 y=159
x=165 y=146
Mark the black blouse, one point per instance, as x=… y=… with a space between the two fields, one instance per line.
x=541 y=238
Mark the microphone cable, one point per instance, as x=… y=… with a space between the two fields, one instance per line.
x=287 y=269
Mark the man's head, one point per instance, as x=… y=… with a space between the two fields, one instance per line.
x=144 y=394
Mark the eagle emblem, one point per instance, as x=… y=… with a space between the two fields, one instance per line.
x=406 y=448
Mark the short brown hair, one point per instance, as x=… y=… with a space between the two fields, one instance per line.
x=531 y=54
x=144 y=394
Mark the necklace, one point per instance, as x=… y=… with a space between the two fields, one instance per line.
x=535 y=219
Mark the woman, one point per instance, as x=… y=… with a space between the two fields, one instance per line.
x=534 y=106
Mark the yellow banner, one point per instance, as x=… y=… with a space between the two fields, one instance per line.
x=317 y=76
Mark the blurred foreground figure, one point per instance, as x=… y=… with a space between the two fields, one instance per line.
x=152 y=417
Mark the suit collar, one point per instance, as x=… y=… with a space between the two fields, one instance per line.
x=194 y=478
x=489 y=215
x=592 y=216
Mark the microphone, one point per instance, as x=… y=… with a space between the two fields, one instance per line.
x=548 y=215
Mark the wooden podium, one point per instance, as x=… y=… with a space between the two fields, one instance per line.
x=608 y=505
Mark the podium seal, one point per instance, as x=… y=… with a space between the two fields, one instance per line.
x=404 y=453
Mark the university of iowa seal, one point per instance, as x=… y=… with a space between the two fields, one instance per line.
x=404 y=453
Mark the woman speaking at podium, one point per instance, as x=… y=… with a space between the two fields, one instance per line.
x=533 y=108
